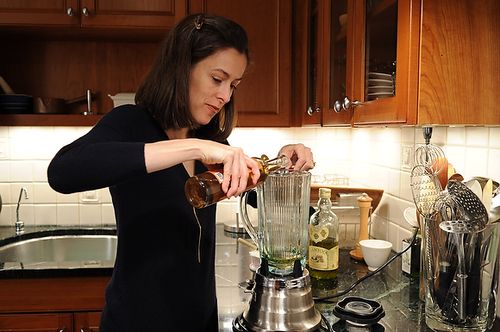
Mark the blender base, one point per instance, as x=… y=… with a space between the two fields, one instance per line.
x=280 y=304
x=240 y=325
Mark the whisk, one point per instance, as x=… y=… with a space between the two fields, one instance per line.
x=425 y=188
x=429 y=154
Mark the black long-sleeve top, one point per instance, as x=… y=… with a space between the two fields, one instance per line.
x=158 y=284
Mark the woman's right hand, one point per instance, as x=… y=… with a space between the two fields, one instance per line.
x=235 y=165
x=164 y=154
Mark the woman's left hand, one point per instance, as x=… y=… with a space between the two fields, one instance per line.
x=300 y=155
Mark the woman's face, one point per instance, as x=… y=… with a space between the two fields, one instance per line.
x=212 y=82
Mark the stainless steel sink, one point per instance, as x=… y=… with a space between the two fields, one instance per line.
x=61 y=248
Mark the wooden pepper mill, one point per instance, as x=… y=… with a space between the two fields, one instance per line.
x=365 y=204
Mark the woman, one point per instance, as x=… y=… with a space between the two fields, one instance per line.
x=164 y=279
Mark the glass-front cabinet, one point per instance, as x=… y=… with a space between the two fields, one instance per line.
x=358 y=55
x=383 y=67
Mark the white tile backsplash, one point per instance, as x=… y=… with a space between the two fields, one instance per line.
x=45 y=214
x=371 y=157
x=67 y=214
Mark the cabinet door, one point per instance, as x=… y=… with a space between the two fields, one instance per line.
x=385 y=69
x=87 y=321
x=460 y=62
x=36 y=322
x=335 y=50
x=39 y=12
x=131 y=13
x=263 y=98
x=323 y=47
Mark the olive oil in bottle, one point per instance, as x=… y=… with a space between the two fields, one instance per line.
x=323 y=253
x=205 y=189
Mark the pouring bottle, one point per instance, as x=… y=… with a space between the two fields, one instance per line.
x=205 y=189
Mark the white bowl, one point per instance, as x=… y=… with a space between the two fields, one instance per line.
x=375 y=252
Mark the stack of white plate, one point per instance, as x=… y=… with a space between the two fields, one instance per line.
x=380 y=85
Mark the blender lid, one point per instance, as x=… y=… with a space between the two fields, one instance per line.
x=359 y=311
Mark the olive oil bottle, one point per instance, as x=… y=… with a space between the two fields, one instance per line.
x=323 y=253
x=205 y=189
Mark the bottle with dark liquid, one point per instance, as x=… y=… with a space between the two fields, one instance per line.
x=323 y=256
x=205 y=189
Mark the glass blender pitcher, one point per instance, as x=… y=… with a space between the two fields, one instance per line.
x=283 y=201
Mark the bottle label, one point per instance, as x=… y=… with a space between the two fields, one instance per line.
x=324 y=259
x=218 y=175
x=318 y=233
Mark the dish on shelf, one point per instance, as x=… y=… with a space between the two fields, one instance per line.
x=380 y=88
x=385 y=94
x=378 y=75
x=378 y=82
x=16 y=104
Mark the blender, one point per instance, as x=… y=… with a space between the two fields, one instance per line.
x=281 y=290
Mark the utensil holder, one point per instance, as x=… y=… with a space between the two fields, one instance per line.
x=460 y=299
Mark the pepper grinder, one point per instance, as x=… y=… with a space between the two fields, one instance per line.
x=365 y=204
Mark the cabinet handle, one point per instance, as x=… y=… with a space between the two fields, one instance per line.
x=310 y=110
x=69 y=11
x=345 y=105
x=337 y=106
x=85 y=11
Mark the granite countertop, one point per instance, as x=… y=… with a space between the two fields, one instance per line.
x=398 y=294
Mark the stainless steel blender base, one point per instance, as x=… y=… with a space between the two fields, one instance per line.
x=281 y=304
x=240 y=325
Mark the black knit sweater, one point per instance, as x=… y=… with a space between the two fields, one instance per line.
x=158 y=284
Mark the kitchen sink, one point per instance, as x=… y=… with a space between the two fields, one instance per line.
x=84 y=248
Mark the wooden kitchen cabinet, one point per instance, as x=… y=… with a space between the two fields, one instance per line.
x=87 y=321
x=92 y=13
x=264 y=97
x=439 y=54
x=60 y=48
x=338 y=64
x=52 y=304
x=459 y=62
x=321 y=52
x=51 y=322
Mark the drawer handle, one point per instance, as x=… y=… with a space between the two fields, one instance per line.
x=70 y=11
x=85 y=11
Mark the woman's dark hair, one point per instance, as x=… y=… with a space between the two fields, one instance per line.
x=165 y=91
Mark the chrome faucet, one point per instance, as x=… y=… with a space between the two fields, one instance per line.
x=19 y=223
